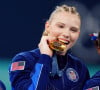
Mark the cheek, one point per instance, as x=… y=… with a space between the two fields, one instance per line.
x=54 y=33
x=75 y=37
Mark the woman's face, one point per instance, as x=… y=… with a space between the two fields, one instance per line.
x=65 y=27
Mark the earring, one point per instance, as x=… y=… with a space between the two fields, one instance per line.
x=45 y=33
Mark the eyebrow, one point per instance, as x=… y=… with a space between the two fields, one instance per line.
x=65 y=24
x=60 y=23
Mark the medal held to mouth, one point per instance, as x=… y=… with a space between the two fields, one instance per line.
x=57 y=45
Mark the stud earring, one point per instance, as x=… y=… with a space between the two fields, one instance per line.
x=45 y=33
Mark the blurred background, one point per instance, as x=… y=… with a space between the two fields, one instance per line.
x=22 y=23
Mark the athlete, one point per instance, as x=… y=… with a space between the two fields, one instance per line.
x=51 y=66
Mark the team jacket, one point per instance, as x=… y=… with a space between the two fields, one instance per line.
x=2 y=86
x=32 y=71
x=93 y=83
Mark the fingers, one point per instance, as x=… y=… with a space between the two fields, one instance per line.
x=44 y=47
x=43 y=42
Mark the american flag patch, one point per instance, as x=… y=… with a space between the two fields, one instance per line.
x=93 y=88
x=20 y=65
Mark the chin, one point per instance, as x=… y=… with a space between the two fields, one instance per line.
x=61 y=53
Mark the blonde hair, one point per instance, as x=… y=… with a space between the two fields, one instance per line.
x=62 y=8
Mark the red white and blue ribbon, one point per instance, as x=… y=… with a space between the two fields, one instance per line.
x=94 y=36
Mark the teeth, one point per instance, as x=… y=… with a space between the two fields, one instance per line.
x=66 y=42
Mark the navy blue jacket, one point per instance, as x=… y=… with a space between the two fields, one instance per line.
x=93 y=82
x=35 y=73
x=2 y=86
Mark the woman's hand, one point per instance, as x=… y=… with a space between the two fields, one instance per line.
x=44 y=47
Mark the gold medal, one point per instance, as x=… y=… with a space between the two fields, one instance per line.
x=57 y=45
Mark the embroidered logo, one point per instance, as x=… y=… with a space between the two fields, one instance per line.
x=72 y=74
x=93 y=88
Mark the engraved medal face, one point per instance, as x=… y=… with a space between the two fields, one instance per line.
x=57 y=45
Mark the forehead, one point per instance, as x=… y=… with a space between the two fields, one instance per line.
x=66 y=18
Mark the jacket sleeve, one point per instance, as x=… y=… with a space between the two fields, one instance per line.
x=93 y=82
x=34 y=75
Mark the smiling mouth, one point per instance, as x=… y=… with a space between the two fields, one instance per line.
x=57 y=45
x=64 y=41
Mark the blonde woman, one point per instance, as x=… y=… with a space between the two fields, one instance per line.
x=51 y=66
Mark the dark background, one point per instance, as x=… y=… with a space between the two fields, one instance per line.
x=22 y=23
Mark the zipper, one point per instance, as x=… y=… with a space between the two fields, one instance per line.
x=63 y=80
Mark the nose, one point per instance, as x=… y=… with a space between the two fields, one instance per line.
x=66 y=34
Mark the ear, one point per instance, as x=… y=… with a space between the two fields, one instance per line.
x=47 y=26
